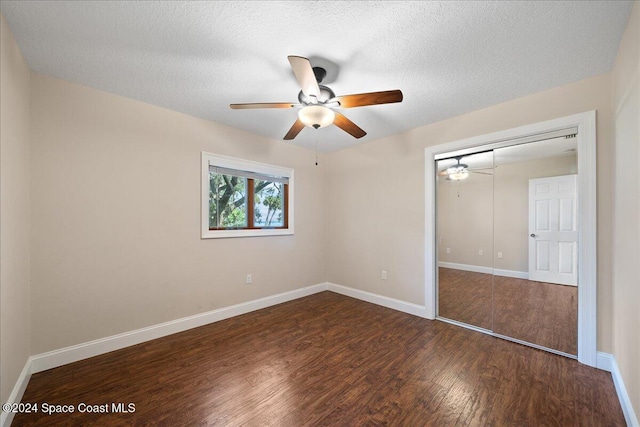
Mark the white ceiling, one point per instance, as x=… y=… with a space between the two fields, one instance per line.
x=447 y=57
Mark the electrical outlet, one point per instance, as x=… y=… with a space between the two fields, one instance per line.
x=383 y=275
x=499 y=255
x=448 y=250
x=480 y=252
x=249 y=279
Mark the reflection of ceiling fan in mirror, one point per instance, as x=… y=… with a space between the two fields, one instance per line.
x=460 y=171
x=317 y=102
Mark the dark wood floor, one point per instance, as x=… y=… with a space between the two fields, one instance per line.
x=329 y=360
x=466 y=296
x=540 y=313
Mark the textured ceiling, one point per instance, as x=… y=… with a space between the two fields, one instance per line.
x=447 y=57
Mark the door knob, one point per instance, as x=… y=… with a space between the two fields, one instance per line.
x=533 y=235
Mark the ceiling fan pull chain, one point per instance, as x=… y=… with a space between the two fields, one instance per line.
x=316 y=152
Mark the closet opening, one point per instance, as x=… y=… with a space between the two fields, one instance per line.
x=510 y=235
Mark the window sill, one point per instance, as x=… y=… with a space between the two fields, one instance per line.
x=224 y=234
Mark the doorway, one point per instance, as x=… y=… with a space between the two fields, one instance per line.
x=584 y=126
x=553 y=237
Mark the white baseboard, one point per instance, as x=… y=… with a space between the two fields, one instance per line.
x=511 y=273
x=466 y=267
x=395 y=304
x=604 y=361
x=625 y=401
x=63 y=356
x=607 y=362
x=16 y=393
x=485 y=270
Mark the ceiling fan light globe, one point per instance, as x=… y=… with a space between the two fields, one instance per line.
x=316 y=116
x=457 y=176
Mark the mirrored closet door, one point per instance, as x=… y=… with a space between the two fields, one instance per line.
x=464 y=202
x=507 y=242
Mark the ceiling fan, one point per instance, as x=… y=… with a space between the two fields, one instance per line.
x=460 y=171
x=317 y=102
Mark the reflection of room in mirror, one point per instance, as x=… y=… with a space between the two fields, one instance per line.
x=484 y=244
x=535 y=311
x=465 y=236
x=465 y=213
x=515 y=166
x=541 y=313
x=465 y=296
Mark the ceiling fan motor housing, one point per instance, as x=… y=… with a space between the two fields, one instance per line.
x=325 y=94
x=320 y=73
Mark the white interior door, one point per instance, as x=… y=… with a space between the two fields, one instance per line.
x=553 y=235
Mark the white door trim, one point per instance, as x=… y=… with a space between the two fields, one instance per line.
x=587 y=259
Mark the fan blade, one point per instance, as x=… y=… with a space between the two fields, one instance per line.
x=262 y=105
x=481 y=173
x=305 y=76
x=371 y=98
x=295 y=130
x=348 y=126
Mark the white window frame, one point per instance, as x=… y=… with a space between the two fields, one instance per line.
x=211 y=159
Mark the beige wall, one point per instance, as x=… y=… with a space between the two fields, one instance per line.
x=377 y=194
x=465 y=220
x=115 y=199
x=626 y=240
x=14 y=212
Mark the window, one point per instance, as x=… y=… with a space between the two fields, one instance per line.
x=241 y=198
